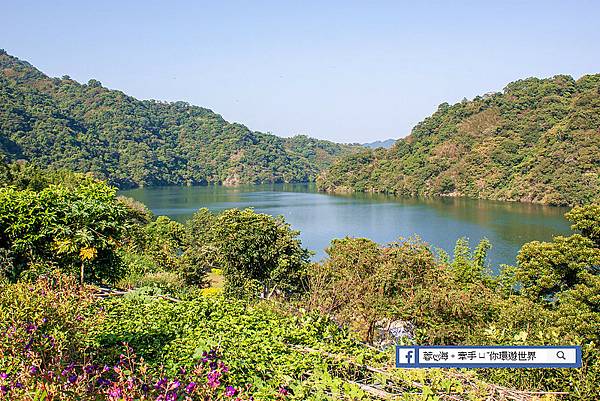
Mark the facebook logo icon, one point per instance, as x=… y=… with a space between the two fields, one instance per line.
x=406 y=357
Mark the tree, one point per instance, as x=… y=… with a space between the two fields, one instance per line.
x=587 y=220
x=76 y=230
x=470 y=267
x=260 y=254
x=164 y=242
x=545 y=269
x=361 y=283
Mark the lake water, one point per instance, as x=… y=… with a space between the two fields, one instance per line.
x=321 y=217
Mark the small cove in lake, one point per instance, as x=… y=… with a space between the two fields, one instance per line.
x=322 y=217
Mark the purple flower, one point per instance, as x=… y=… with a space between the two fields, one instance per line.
x=68 y=369
x=223 y=367
x=171 y=397
x=174 y=385
x=283 y=391
x=213 y=379
x=72 y=378
x=230 y=391
x=160 y=383
x=31 y=328
x=3 y=375
x=19 y=385
x=114 y=392
x=44 y=320
x=4 y=389
x=33 y=369
x=145 y=388
x=89 y=369
x=103 y=382
x=190 y=387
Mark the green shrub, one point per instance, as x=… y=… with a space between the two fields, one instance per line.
x=361 y=283
x=54 y=313
x=77 y=229
x=259 y=254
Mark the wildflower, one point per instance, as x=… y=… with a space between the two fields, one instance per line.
x=145 y=388
x=72 y=378
x=283 y=391
x=103 y=382
x=190 y=387
x=114 y=393
x=174 y=385
x=89 y=369
x=68 y=369
x=106 y=368
x=31 y=328
x=4 y=389
x=171 y=397
x=160 y=383
x=3 y=375
x=19 y=385
x=230 y=391
x=33 y=369
x=223 y=367
x=213 y=379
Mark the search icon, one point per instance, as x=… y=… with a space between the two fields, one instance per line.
x=561 y=355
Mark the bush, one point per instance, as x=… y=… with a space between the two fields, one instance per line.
x=45 y=323
x=77 y=229
x=362 y=283
x=259 y=254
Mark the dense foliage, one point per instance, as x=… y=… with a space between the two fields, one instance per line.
x=60 y=123
x=537 y=141
x=159 y=334
x=71 y=229
x=52 y=350
x=259 y=254
x=551 y=297
x=362 y=284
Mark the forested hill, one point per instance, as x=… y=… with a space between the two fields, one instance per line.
x=60 y=123
x=536 y=141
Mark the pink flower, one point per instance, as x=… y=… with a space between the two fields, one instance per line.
x=230 y=391
x=114 y=393
x=190 y=387
x=213 y=378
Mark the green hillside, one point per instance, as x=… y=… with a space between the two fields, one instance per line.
x=61 y=123
x=536 y=141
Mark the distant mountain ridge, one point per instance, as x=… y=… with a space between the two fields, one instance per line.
x=536 y=141
x=60 y=123
x=388 y=143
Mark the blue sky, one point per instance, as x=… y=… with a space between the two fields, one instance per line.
x=349 y=71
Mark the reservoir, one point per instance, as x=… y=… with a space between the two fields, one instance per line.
x=322 y=217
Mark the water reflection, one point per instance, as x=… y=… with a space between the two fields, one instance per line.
x=322 y=217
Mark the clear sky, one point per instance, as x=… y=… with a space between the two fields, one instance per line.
x=349 y=71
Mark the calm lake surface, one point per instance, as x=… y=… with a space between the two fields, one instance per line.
x=321 y=217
